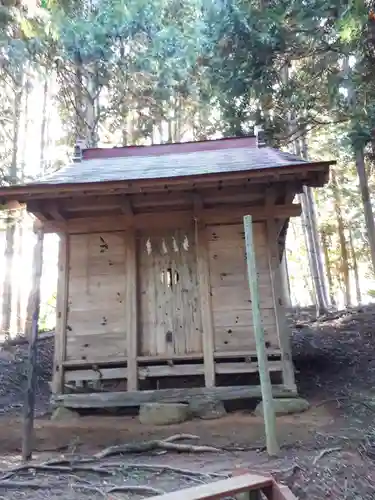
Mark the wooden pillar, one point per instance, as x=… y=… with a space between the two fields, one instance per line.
x=277 y=294
x=131 y=309
x=264 y=374
x=205 y=302
x=62 y=300
x=28 y=424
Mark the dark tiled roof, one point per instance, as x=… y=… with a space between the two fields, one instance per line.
x=171 y=165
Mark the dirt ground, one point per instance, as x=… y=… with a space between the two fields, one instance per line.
x=326 y=452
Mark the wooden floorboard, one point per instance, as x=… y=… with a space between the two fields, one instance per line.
x=135 y=398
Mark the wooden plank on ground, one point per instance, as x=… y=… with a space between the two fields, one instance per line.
x=282 y=492
x=135 y=398
x=220 y=489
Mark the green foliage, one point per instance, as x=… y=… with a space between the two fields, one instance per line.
x=137 y=72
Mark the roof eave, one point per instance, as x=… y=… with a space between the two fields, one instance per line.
x=32 y=191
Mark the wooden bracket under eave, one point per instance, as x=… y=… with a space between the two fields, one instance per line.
x=53 y=210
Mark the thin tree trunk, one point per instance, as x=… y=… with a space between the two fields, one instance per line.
x=306 y=221
x=306 y=276
x=343 y=245
x=328 y=268
x=6 y=317
x=43 y=129
x=20 y=305
x=361 y=170
x=310 y=232
x=7 y=295
x=367 y=207
x=43 y=142
x=355 y=269
x=20 y=285
x=311 y=213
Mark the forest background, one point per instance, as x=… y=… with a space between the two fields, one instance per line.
x=136 y=72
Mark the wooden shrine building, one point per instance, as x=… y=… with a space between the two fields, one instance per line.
x=153 y=298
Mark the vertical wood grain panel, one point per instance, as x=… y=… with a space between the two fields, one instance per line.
x=61 y=314
x=206 y=307
x=131 y=309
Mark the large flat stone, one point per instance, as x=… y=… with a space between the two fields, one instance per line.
x=163 y=413
x=207 y=409
x=285 y=406
x=61 y=413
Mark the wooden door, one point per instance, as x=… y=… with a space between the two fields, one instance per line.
x=170 y=318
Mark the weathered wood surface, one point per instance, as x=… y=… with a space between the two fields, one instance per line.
x=205 y=303
x=232 y=317
x=221 y=489
x=170 y=315
x=61 y=314
x=264 y=374
x=135 y=398
x=28 y=424
x=159 y=371
x=130 y=309
x=143 y=221
x=313 y=175
x=245 y=353
x=282 y=327
x=96 y=323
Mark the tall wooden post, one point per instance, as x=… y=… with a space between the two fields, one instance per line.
x=62 y=300
x=283 y=330
x=28 y=425
x=206 y=308
x=131 y=310
x=264 y=374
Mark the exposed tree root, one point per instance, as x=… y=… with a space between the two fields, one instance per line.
x=325 y=452
x=168 y=444
x=117 y=489
x=160 y=468
x=32 y=485
x=95 y=465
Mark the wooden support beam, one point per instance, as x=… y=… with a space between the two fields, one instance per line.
x=205 y=302
x=222 y=215
x=281 y=322
x=61 y=314
x=238 y=194
x=135 y=398
x=264 y=375
x=131 y=312
x=28 y=424
x=36 y=209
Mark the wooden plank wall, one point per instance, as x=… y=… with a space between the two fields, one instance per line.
x=232 y=317
x=97 y=292
x=170 y=317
